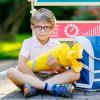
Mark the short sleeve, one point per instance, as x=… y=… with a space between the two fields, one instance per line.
x=55 y=43
x=25 y=49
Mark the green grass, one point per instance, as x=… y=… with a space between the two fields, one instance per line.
x=10 y=50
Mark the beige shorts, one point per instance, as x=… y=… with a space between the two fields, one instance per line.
x=44 y=76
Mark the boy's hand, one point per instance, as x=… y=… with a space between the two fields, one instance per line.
x=54 y=64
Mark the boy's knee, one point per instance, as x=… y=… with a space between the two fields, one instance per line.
x=77 y=76
x=10 y=72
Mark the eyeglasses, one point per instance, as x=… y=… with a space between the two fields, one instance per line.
x=44 y=28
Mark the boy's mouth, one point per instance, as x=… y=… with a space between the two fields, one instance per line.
x=42 y=34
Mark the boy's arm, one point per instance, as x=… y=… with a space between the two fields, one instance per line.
x=59 y=68
x=22 y=65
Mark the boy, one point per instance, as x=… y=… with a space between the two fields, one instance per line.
x=42 y=24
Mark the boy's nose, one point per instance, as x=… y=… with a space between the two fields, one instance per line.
x=42 y=32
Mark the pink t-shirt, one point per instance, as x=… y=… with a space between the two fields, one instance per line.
x=31 y=47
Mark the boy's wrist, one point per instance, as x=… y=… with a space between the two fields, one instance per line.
x=62 y=66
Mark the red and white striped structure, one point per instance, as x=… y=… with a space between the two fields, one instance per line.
x=69 y=29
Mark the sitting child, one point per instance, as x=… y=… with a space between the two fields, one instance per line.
x=59 y=83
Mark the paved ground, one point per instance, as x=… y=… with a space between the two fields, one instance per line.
x=9 y=91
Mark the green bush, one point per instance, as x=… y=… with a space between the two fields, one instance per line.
x=10 y=50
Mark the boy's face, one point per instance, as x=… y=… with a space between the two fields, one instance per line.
x=42 y=30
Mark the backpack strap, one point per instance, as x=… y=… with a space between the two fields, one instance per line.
x=87 y=47
x=87 y=68
x=85 y=42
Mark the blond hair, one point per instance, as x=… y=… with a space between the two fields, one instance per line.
x=43 y=14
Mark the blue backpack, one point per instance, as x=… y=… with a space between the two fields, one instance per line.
x=90 y=74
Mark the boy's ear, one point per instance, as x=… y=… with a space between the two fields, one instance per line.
x=54 y=27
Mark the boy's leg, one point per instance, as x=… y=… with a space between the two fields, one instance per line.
x=59 y=84
x=65 y=77
x=20 y=78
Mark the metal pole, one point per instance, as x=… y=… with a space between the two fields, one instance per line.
x=32 y=7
